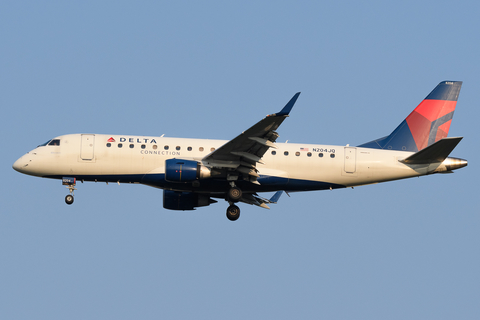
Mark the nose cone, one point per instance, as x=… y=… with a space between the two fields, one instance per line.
x=21 y=164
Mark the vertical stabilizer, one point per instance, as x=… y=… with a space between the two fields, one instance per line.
x=427 y=124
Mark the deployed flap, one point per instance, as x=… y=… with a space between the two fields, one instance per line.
x=436 y=152
x=246 y=150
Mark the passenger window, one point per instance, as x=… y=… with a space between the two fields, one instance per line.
x=320 y=155
x=154 y=147
x=286 y=153
x=189 y=148
x=309 y=154
x=109 y=145
x=274 y=152
x=297 y=153
x=131 y=146
x=200 y=149
x=178 y=148
x=332 y=155
x=212 y=149
x=166 y=147
x=120 y=145
x=142 y=146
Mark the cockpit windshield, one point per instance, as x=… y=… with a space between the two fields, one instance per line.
x=53 y=142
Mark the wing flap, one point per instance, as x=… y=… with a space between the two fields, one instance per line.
x=264 y=142
x=248 y=155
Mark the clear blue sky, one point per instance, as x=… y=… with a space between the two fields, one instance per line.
x=399 y=250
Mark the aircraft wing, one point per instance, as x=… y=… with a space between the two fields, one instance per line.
x=241 y=154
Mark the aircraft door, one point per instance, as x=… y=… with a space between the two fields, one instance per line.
x=350 y=159
x=87 y=146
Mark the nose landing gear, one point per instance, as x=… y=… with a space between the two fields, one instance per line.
x=70 y=183
x=69 y=199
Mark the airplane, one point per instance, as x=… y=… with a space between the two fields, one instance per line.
x=194 y=172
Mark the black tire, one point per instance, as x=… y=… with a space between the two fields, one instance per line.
x=69 y=199
x=234 y=194
x=233 y=212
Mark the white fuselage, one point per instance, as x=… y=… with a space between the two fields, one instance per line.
x=140 y=159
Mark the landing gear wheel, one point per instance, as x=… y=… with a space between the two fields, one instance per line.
x=69 y=199
x=233 y=212
x=234 y=194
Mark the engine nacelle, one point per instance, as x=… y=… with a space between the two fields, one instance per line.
x=175 y=200
x=178 y=170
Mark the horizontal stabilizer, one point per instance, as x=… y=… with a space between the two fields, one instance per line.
x=436 y=152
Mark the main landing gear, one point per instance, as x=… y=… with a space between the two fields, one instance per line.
x=234 y=194
x=70 y=183
x=233 y=212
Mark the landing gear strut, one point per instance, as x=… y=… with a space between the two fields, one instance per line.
x=234 y=194
x=233 y=212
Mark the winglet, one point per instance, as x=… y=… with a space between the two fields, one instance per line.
x=275 y=197
x=288 y=107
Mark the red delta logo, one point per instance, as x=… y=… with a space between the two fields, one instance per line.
x=111 y=140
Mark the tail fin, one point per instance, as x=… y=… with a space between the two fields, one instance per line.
x=428 y=123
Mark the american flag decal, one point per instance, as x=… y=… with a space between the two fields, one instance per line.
x=303 y=149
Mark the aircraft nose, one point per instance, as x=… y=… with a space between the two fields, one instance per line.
x=21 y=164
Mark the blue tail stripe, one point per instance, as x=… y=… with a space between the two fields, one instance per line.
x=400 y=139
x=446 y=90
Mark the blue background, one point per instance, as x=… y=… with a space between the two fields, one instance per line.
x=399 y=250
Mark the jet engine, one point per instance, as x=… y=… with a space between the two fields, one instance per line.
x=175 y=200
x=178 y=170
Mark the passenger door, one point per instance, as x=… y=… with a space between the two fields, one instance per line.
x=350 y=159
x=87 y=147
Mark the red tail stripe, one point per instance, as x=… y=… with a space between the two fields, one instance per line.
x=434 y=109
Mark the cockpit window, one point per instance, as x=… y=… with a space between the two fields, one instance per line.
x=54 y=142
x=44 y=144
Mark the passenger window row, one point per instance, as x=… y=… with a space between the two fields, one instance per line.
x=154 y=147
x=201 y=149
x=309 y=154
